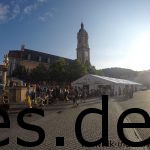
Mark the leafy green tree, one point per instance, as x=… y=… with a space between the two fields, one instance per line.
x=20 y=72
x=58 y=71
x=76 y=70
x=90 y=69
x=100 y=72
x=40 y=73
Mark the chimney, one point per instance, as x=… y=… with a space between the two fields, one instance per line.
x=22 y=47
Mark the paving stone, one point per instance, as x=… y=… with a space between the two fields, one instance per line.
x=62 y=124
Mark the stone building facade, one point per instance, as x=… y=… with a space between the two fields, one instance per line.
x=30 y=59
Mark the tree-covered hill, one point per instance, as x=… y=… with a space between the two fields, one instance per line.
x=122 y=73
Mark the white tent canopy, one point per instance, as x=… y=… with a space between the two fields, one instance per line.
x=95 y=81
x=90 y=79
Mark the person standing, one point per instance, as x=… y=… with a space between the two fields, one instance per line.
x=28 y=99
x=84 y=94
x=73 y=96
x=66 y=93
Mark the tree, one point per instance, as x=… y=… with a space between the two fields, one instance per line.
x=100 y=72
x=90 y=69
x=40 y=73
x=76 y=70
x=20 y=72
x=58 y=71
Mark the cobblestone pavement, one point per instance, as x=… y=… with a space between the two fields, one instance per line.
x=140 y=100
x=61 y=123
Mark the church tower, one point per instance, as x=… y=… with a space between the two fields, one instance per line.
x=83 y=50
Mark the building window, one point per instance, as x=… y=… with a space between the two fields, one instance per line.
x=29 y=56
x=40 y=58
x=48 y=60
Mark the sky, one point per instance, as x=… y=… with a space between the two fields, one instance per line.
x=118 y=30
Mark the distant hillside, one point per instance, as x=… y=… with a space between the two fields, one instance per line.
x=122 y=73
x=144 y=78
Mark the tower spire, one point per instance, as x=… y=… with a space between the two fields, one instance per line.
x=83 y=50
x=82 y=25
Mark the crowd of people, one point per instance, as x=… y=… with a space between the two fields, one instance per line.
x=53 y=94
x=126 y=91
x=40 y=95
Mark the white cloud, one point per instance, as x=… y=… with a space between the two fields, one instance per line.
x=8 y=12
x=16 y=8
x=41 y=1
x=32 y=7
x=4 y=11
x=48 y=15
x=28 y=9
